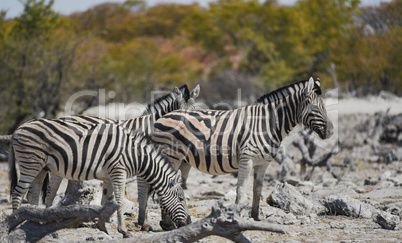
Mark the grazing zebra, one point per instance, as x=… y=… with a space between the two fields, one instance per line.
x=106 y=152
x=180 y=98
x=220 y=142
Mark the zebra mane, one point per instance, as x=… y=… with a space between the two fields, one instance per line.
x=285 y=91
x=157 y=104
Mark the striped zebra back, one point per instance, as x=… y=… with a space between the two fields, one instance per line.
x=180 y=98
x=214 y=141
x=70 y=149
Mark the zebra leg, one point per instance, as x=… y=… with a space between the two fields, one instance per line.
x=259 y=172
x=23 y=185
x=36 y=187
x=107 y=191
x=245 y=166
x=185 y=170
x=54 y=185
x=107 y=194
x=144 y=191
x=30 y=163
x=118 y=177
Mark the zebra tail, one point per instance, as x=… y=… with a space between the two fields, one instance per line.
x=44 y=188
x=12 y=170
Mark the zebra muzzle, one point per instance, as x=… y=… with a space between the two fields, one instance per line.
x=188 y=219
x=181 y=223
x=329 y=129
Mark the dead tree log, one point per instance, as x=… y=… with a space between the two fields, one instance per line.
x=5 y=138
x=224 y=221
x=308 y=148
x=376 y=129
x=41 y=222
x=74 y=194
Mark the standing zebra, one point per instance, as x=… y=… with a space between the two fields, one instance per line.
x=220 y=142
x=106 y=152
x=273 y=97
x=180 y=98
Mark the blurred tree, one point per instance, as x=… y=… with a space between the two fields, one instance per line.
x=37 y=50
x=143 y=64
x=329 y=21
x=263 y=40
x=368 y=57
x=107 y=20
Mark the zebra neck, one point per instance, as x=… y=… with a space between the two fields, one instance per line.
x=162 y=106
x=288 y=112
x=154 y=111
x=278 y=119
x=154 y=169
x=141 y=124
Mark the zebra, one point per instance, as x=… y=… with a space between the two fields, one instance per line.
x=220 y=142
x=107 y=152
x=180 y=98
x=273 y=97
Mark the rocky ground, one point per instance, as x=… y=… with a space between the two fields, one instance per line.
x=363 y=204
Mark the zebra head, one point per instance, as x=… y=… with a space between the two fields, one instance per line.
x=314 y=114
x=188 y=101
x=173 y=202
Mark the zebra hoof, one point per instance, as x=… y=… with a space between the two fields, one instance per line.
x=102 y=227
x=126 y=234
x=258 y=219
x=146 y=227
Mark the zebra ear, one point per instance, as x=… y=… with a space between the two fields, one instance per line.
x=310 y=85
x=195 y=92
x=178 y=94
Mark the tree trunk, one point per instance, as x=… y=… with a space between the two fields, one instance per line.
x=223 y=221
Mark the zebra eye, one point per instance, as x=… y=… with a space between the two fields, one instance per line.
x=181 y=198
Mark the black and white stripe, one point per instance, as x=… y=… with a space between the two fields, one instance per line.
x=180 y=98
x=78 y=151
x=219 y=142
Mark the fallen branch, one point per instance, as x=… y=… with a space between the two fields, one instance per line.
x=5 y=138
x=223 y=221
x=73 y=195
x=377 y=129
x=41 y=222
x=307 y=150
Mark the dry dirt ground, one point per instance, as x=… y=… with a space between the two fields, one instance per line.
x=360 y=165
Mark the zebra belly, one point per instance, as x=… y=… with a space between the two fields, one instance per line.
x=213 y=159
x=87 y=172
x=208 y=141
